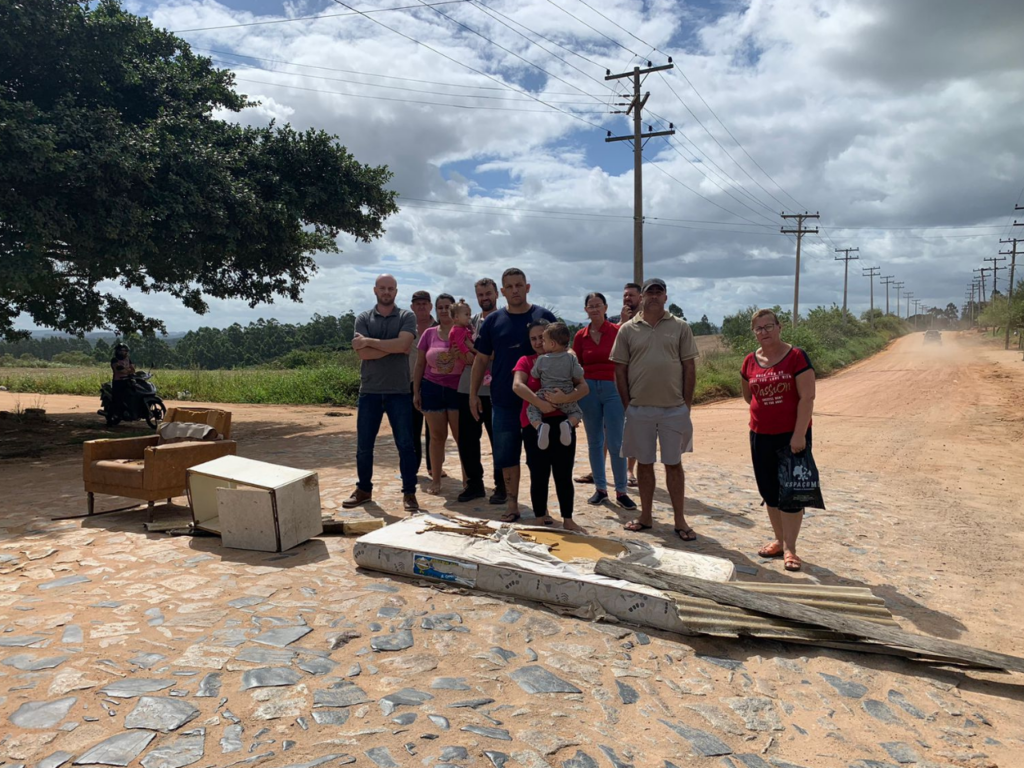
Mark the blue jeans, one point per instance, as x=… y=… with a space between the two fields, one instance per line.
x=507 y=435
x=603 y=417
x=370 y=413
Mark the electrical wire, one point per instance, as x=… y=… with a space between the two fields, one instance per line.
x=471 y=69
x=399 y=87
x=308 y=18
x=414 y=101
x=375 y=74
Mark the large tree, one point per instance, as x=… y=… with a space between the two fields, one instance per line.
x=113 y=167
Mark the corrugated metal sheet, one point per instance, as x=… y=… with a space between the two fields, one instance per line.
x=707 y=617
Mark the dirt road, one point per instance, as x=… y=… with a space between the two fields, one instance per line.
x=920 y=451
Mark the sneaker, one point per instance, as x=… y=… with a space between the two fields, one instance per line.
x=566 y=437
x=409 y=503
x=625 y=502
x=359 y=496
x=498 y=498
x=598 y=496
x=543 y=436
x=472 y=492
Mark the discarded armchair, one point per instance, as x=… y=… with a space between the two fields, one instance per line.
x=153 y=467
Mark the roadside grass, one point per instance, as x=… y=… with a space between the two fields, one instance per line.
x=336 y=382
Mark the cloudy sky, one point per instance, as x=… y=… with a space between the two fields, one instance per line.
x=898 y=121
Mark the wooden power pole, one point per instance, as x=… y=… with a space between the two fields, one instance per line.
x=799 y=232
x=886 y=280
x=995 y=273
x=636 y=107
x=846 y=258
x=983 y=270
x=871 y=273
x=1009 y=300
x=899 y=287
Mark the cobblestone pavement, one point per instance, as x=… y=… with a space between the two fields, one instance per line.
x=122 y=647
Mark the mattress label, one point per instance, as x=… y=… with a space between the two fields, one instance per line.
x=444 y=569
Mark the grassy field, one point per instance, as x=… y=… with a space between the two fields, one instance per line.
x=717 y=377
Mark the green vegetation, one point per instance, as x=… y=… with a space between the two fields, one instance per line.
x=831 y=342
x=321 y=376
x=123 y=162
x=328 y=384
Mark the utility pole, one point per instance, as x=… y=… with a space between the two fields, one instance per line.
x=899 y=287
x=870 y=273
x=1009 y=300
x=983 y=270
x=636 y=107
x=886 y=280
x=799 y=232
x=1016 y=224
x=846 y=258
x=908 y=295
x=916 y=313
x=995 y=273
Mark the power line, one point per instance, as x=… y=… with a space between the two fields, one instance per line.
x=594 y=29
x=471 y=69
x=375 y=74
x=308 y=18
x=427 y=103
x=507 y=50
x=403 y=88
x=489 y=9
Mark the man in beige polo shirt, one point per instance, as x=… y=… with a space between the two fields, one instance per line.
x=655 y=372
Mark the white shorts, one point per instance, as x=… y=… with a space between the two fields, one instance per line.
x=648 y=426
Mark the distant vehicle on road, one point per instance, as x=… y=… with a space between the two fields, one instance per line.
x=933 y=337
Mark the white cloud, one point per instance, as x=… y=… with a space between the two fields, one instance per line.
x=875 y=113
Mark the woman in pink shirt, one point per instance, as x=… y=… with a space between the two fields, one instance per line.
x=435 y=386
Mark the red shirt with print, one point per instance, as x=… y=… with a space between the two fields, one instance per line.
x=773 y=391
x=594 y=358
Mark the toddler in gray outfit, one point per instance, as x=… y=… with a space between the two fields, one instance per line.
x=556 y=369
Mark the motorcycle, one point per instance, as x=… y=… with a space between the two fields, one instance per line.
x=141 y=402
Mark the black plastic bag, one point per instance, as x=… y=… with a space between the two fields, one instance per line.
x=799 y=483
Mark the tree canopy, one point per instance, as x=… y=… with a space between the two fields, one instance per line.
x=116 y=174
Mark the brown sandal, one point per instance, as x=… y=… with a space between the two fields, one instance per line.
x=792 y=563
x=772 y=549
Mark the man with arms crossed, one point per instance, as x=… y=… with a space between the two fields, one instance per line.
x=383 y=337
x=655 y=373
x=504 y=338
x=471 y=429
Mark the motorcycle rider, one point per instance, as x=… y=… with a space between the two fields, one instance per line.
x=122 y=367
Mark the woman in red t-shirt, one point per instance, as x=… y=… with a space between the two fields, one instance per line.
x=778 y=382
x=556 y=461
x=603 y=414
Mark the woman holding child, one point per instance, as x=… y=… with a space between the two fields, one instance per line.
x=444 y=355
x=548 y=378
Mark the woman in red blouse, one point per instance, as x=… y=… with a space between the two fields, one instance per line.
x=603 y=414
x=778 y=382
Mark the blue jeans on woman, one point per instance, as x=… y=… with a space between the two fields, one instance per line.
x=603 y=417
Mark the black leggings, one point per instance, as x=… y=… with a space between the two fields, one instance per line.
x=556 y=461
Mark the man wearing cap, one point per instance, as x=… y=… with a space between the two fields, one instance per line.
x=655 y=372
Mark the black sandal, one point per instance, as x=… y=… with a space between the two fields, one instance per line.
x=686 y=534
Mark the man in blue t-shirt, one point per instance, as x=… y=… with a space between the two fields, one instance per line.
x=504 y=338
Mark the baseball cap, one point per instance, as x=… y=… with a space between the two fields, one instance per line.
x=654 y=281
x=421 y=296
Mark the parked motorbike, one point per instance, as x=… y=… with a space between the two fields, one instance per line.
x=141 y=402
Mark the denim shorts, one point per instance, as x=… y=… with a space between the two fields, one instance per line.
x=437 y=399
x=506 y=435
